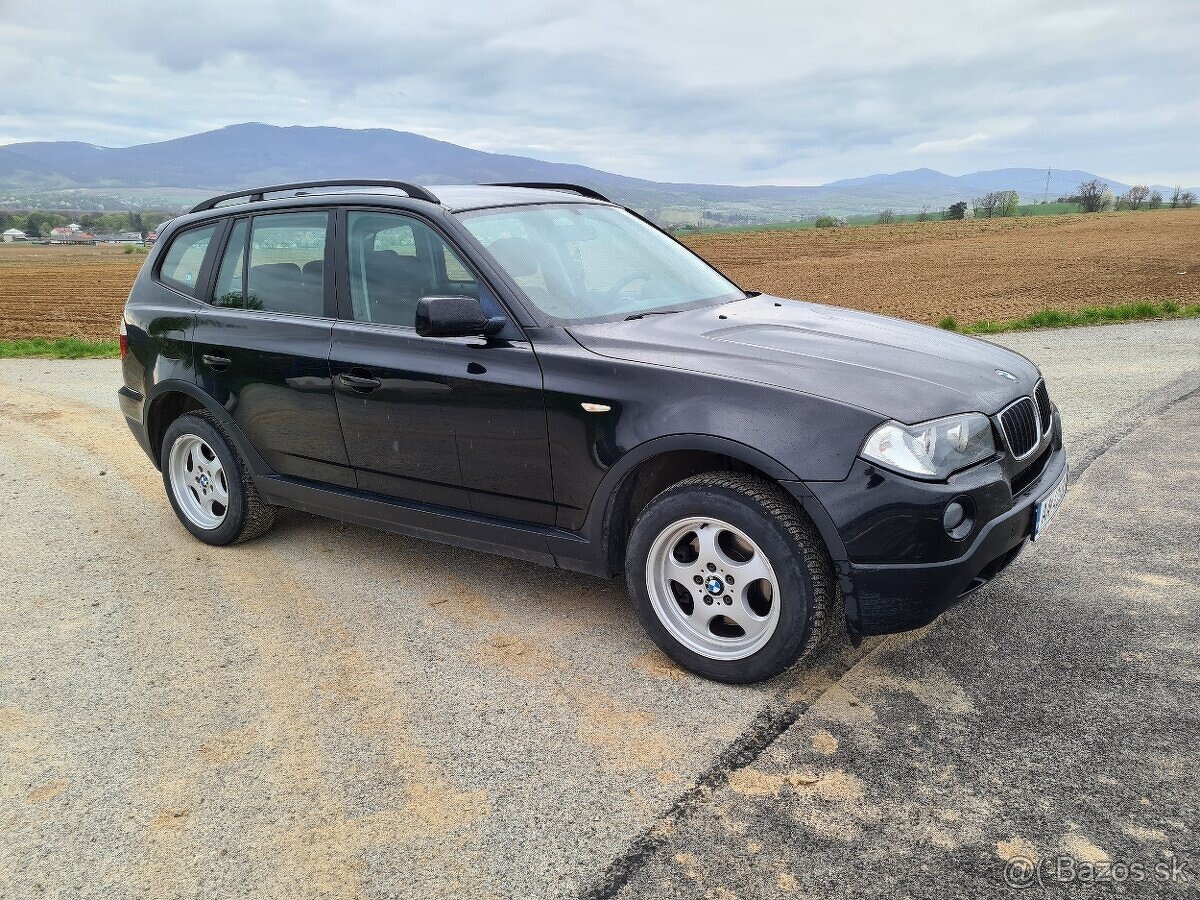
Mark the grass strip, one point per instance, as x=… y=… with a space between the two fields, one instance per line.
x=1089 y=315
x=61 y=348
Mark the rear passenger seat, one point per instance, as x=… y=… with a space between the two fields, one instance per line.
x=285 y=287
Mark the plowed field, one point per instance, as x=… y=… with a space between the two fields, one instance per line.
x=992 y=270
x=983 y=270
x=58 y=291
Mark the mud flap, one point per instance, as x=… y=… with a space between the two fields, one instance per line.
x=845 y=591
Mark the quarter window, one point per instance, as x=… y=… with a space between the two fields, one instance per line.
x=395 y=261
x=181 y=265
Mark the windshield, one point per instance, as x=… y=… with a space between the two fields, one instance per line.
x=584 y=262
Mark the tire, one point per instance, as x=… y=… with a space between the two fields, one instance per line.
x=208 y=483
x=721 y=527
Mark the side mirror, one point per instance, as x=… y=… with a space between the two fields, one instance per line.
x=454 y=317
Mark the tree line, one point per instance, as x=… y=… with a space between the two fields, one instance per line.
x=1095 y=196
x=38 y=222
x=1090 y=196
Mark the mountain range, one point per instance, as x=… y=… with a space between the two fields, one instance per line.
x=176 y=172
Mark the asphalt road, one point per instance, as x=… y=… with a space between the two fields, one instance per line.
x=336 y=712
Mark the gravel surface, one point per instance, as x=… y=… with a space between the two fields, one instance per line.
x=336 y=712
x=1106 y=378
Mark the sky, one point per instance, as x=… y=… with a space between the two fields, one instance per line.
x=752 y=92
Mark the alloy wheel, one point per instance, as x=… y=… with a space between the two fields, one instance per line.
x=713 y=588
x=198 y=482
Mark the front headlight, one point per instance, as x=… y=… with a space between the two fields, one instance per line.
x=931 y=449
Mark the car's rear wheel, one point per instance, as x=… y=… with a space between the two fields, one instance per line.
x=729 y=577
x=208 y=485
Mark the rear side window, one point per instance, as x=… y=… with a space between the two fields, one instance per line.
x=287 y=263
x=181 y=264
x=275 y=263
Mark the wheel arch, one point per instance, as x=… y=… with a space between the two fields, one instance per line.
x=652 y=467
x=171 y=399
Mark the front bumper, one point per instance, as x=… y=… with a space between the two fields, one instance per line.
x=898 y=597
x=897 y=568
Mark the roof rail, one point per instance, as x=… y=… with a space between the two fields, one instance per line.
x=254 y=195
x=554 y=186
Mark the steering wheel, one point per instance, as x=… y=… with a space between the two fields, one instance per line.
x=615 y=290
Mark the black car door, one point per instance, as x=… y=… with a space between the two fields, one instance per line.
x=458 y=422
x=262 y=342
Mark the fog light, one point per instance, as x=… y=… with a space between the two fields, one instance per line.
x=953 y=516
x=957 y=518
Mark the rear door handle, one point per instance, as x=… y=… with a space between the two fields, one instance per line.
x=219 y=363
x=359 y=383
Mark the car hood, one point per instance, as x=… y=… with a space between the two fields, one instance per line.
x=897 y=369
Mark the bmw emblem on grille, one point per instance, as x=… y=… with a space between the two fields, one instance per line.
x=1008 y=375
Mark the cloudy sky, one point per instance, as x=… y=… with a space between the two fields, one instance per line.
x=757 y=91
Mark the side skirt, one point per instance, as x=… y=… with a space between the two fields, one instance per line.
x=545 y=545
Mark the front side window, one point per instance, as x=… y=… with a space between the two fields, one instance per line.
x=396 y=260
x=585 y=262
x=286 y=268
x=181 y=264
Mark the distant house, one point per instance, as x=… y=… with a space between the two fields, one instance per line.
x=13 y=234
x=125 y=237
x=71 y=234
x=152 y=236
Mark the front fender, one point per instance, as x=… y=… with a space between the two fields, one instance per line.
x=605 y=416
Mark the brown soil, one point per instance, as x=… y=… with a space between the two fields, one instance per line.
x=995 y=270
x=61 y=291
x=981 y=270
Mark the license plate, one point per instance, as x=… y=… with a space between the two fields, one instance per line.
x=1045 y=508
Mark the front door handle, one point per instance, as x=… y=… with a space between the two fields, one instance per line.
x=359 y=383
x=217 y=363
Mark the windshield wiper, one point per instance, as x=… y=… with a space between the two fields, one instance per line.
x=653 y=312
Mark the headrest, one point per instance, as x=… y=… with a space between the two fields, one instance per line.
x=285 y=268
x=516 y=255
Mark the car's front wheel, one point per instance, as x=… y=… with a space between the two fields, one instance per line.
x=209 y=487
x=729 y=577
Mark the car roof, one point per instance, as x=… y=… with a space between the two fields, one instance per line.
x=448 y=197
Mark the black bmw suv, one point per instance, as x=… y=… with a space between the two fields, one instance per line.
x=535 y=371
